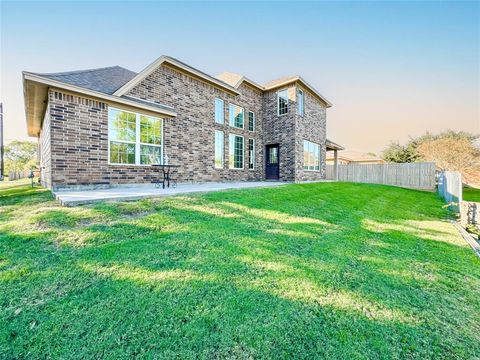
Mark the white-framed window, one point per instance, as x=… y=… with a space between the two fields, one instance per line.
x=300 y=102
x=282 y=102
x=236 y=153
x=134 y=138
x=236 y=116
x=251 y=154
x=219 y=149
x=219 y=111
x=251 y=121
x=311 y=156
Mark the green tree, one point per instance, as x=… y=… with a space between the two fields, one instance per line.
x=20 y=155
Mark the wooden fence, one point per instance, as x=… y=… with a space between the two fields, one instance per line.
x=15 y=175
x=409 y=175
x=450 y=189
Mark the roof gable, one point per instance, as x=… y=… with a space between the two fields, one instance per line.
x=177 y=65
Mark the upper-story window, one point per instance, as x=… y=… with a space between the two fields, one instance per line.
x=235 y=114
x=311 y=155
x=282 y=102
x=134 y=138
x=219 y=111
x=251 y=121
x=300 y=102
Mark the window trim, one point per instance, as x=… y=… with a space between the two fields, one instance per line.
x=229 y=115
x=231 y=164
x=254 y=121
x=215 y=150
x=302 y=113
x=254 y=157
x=278 y=101
x=215 y=111
x=319 y=157
x=137 y=142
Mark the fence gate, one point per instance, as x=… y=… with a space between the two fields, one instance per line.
x=450 y=188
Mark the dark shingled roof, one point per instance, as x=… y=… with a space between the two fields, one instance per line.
x=105 y=80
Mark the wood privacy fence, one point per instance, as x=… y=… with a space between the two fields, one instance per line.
x=409 y=175
x=450 y=189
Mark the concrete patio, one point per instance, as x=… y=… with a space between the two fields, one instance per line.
x=143 y=191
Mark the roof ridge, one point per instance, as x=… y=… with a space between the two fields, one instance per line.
x=84 y=71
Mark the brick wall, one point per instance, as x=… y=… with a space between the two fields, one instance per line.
x=312 y=126
x=189 y=138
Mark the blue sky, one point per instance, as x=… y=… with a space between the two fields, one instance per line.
x=391 y=69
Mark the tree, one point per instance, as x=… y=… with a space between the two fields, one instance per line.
x=396 y=153
x=20 y=155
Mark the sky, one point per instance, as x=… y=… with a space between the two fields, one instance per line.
x=391 y=69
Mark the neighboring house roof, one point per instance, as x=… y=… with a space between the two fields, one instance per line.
x=178 y=65
x=356 y=156
x=105 y=80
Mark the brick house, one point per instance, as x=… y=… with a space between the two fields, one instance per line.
x=105 y=127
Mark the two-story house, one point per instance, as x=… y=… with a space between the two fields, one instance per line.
x=107 y=126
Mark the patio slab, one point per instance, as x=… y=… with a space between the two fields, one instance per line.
x=144 y=191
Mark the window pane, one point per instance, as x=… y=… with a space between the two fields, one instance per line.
x=121 y=125
x=251 y=153
x=150 y=130
x=219 y=111
x=282 y=102
x=300 y=102
x=305 y=155
x=219 y=146
x=235 y=152
x=235 y=114
x=122 y=153
x=251 y=121
x=150 y=154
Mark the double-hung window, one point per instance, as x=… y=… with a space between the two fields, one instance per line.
x=219 y=149
x=311 y=156
x=251 y=154
x=219 y=111
x=251 y=121
x=134 y=138
x=235 y=114
x=282 y=102
x=235 y=159
x=300 y=102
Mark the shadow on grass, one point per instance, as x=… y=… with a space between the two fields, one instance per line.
x=305 y=271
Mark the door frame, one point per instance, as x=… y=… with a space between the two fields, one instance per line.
x=267 y=153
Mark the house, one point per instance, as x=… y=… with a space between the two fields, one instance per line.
x=104 y=127
x=354 y=157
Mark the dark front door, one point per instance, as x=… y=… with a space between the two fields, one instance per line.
x=272 y=171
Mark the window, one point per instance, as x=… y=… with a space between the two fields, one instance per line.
x=300 y=102
x=219 y=149
x=251 y=121
x=282 y=102
x=235 y=151
x=235 y=114
x=219 y=111
x=134 y=138
x=311 y=156
x=251 y=154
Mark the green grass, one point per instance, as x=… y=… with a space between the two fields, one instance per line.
x=331 y=270
x=471 y=194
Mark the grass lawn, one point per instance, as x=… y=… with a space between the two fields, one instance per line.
x=334 y=270
x=471 y=194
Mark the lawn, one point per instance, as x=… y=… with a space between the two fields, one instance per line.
x=330 y=270
x=471 y=194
